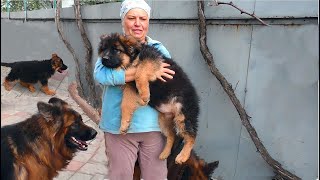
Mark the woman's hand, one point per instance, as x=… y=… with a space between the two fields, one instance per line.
x=164 y=72
x=130 y=74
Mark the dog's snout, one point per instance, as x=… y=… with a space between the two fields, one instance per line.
x=64 y=67
x=93 y=133
x=106 y=58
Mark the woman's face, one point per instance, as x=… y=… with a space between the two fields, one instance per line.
x=136 y=24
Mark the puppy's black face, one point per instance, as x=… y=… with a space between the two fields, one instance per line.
x=117 y=50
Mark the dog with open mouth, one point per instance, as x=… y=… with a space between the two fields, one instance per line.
x=44 y=143
x=31 y=72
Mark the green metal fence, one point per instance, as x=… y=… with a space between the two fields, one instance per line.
x=30 y=5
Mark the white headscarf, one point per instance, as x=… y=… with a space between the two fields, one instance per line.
x=127 y=5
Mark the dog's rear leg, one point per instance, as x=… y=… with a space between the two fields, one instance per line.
x=46 y=89
x=128 y=105
x=10 y=78
x=28 y=85
x=167 y=128
x=188 y=138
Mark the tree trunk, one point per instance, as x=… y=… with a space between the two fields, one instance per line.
x=92 y=95
x=69 y=47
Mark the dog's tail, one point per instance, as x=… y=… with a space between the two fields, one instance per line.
x=7 y=64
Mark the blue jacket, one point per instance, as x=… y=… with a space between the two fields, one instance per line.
x=145 y=118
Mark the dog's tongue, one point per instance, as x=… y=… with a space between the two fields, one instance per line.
x=59 y=70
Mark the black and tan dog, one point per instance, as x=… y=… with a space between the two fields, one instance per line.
x=194 y=168
x=30 y=72
x=43 y=144
x=176 y=99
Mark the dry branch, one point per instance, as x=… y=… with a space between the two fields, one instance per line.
x=87 y=108
x=228 y=89
x=68 y=45
x=216 y=3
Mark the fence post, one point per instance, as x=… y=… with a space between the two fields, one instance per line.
x=54 y=6
x=8 y=8
x=25 y=9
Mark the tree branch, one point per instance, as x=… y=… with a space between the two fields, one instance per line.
x=216 y=3
x=88 y=62
x=228 y=89
x=68 y=45
x=87 y=108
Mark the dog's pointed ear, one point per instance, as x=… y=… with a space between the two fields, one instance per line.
x=45 y=110
x=103 y=36
x=131 y=42
x=210 y=167
x=58 y=102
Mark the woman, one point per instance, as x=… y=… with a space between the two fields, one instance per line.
x=144 y=140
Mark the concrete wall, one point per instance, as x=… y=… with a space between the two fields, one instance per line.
x=273 y=69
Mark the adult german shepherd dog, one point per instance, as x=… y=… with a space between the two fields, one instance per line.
x=30 y=72
x=44 y=143
x=176 y=99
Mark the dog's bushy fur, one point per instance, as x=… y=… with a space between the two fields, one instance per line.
x=44 y=143
x=31 y=72
x=194 y=168
x=176 y=99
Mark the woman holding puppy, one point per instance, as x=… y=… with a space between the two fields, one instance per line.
x=144 y=140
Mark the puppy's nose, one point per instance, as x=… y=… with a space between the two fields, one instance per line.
x=106 y=58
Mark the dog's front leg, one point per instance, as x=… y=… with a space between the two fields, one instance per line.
x=128 y=105
x=145 y=73
x=46 y=89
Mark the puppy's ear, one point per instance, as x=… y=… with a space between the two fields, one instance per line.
x=58 y=102
x=103 y=36
x=131 y=42
x=46 y=110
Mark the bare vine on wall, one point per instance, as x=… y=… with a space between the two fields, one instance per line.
x=217 y=3
x=90 y=95
x=69 y=47
x=92 y=98
x=208 y=57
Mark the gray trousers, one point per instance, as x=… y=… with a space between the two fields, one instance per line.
x=123 y=151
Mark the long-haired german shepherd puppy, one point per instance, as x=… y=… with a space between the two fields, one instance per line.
x=44 y=143
x=30 y=72
x=176 y=99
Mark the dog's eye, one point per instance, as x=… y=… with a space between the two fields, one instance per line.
x=116 y=51
x=75 y=124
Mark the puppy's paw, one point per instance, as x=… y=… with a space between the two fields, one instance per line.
x=123 y=131
x=164 y=155
x=144 y=99
x=181 y=158
x=32 y=89
x=7 y=87
x=143 y=102
x=50 y=92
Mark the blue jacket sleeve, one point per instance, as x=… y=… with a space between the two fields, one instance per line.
x=164 y=50
x=108 y=76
